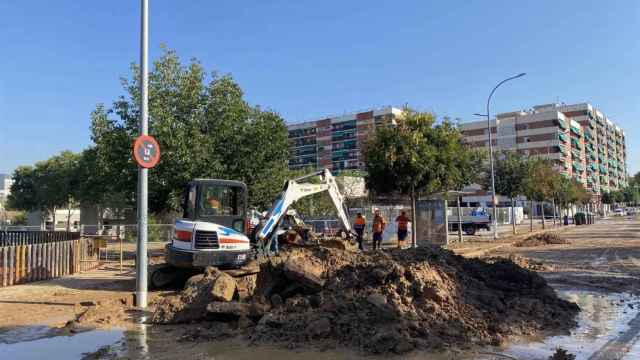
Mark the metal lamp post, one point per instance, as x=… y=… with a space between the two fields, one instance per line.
x=493 y=184
x=141 y=250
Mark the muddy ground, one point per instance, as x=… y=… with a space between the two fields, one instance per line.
x=604 y=257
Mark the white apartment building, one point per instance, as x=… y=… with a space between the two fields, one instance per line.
x=5 y=187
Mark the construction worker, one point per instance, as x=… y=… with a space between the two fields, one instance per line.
x=403 y=228
x=378 y=228
x=358 y=226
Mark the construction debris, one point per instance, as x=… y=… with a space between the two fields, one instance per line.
x=523 y=262
x=547 y=238
x=378 y=302
x=562 y=354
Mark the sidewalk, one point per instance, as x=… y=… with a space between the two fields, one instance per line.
x=483 y=243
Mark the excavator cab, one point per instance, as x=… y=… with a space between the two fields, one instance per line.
x=222 y=202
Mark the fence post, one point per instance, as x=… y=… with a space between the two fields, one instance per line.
x=27 y=274
x=41 y=261
x=64 y=257
x=49 y=260
x=78 y=255
x=45 y=261
x=36 y=261
x=56 y=259
x=5 y=265
x=73 y=256
x=11 y=264
x=32 y=266
x=59 y=257
x=18 y=264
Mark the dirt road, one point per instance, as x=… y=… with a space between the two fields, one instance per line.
x=604 y=257
x=55 y=302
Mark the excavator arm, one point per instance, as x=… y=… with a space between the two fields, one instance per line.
x=295 y=190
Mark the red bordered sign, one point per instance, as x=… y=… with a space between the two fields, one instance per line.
x=146 y=151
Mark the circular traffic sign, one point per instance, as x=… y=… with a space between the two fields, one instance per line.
x=146 y=151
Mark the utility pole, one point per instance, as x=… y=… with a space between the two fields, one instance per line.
x=141 y=258
x=494 y=196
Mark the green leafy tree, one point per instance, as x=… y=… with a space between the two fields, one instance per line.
x=24 y=190
x=510 y=170
x=418 y=156
x=631 y=194
x=204 y=127
x=47 y=186
x=540 y=182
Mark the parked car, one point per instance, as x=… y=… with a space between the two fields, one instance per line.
x=619 y=212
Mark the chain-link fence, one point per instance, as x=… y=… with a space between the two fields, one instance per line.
x=157 y=233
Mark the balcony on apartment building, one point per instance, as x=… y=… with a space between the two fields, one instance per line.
x=303 y=161
x=303 y=141
x=296 y=133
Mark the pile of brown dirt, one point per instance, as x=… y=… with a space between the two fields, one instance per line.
x=523 y=262
x=547 y=238
x=378 y=302
x=102 y=314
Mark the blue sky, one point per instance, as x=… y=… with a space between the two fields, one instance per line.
x=305 y=59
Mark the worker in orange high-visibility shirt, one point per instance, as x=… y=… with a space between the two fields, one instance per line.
x=403 y=228
x=358 y=226
x=378 y=228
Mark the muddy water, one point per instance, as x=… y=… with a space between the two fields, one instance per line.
x=609 y=328
x=45 y=343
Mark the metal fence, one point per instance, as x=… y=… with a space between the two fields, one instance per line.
x=128 y=233
x=13 y=238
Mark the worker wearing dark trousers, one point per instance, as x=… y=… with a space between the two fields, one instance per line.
x=403 y=228
x=358 y=226
x=378 y=228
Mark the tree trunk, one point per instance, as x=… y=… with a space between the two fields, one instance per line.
x=413 y=218
x=542 y=212
x=513 y=215
x=69 y=216
x=530 y=215
x=553 y=204
x=100 y=219
x=53 y=216
x=459 y=220
x=571 y=211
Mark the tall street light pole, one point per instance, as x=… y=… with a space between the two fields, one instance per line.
x=141 y=250
x=493 y=183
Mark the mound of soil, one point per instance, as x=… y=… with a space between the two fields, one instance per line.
x=381 y=302
x=523 y=262
x=547 y=238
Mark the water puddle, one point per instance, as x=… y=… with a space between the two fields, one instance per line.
x=41 y=342
x=609 y=328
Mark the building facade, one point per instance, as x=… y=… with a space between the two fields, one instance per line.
x=5 y=187
x=583 y=143
x=335 y=142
